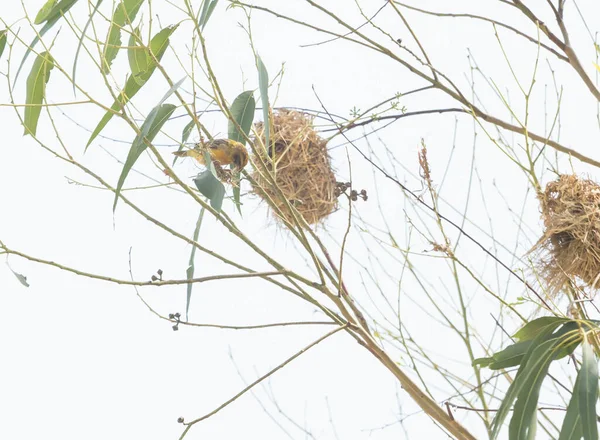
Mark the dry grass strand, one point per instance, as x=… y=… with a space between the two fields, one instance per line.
x=301 y=167
x=570 y=246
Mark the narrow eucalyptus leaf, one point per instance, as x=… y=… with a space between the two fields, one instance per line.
x=263 y=85
x=36 y=90
x=151 y=126
x=588 y=392
x=53 y=16
x=3 y=35
x=191 y=266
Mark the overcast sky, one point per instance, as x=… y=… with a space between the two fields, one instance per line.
x=86 y=358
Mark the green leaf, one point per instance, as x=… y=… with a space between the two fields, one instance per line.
x=125 y=13
x=190 y=269
x=211 y=188
x=533 y=328
x=138 y=56
x=158 y=46
x=185 y=134
x=131 y=88
x=263 y=85
x=509 y=357
x=242 y=110
x=516 y=387
x=57 y=11
x=36 y=90
x=43 y=13
x=587 y=393
x=571 y=427
x=22 y=278
x=523 y=422
x=187 y=130
x=53 y=16
x=207 y=10
x=160 y=42
x=236 y=189
x=83 y=34
x=3 y=34
x=150 y=128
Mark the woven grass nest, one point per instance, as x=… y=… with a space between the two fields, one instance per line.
x=300 y=165
x=570 y=246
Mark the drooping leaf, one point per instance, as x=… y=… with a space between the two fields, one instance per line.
x=125 y=13
x=22 y=278
x=36 y=90
x=242 y=109
x=159 y=45
x=53 y=16
x=137 y=55
x=151 y=126
x=207 y=10
x=587 y=393
x=191 y=267
x=209 y=185
x=83 y=34
x=3 y=35
x=263 y=85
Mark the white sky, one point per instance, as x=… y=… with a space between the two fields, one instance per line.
x=86 y=359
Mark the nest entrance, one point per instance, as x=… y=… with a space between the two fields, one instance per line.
x=570 y=246
x=301 y=168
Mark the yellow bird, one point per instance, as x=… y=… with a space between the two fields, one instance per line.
x=223 y=151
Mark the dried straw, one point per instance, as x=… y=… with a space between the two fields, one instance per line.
x=300 y=165
x=570 y=246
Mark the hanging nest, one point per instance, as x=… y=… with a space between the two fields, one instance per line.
x=300 y=165
x=570 y=246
